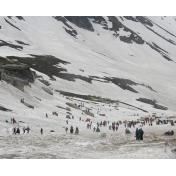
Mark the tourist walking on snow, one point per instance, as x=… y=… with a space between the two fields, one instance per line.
x=41 y=131
x=77 y=130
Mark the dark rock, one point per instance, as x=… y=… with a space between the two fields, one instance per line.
x=144 y=20
x=117 y=25
x=4 y=43
x=152 y=102
x=45 y=82
x=20 y=18
x=71 y=32
x=20 y=42
x=18 y=75
x=81 y=21
x=125 y=84
x=69 y=28
x=99 y=20
x=4 y=109
x=130 y=18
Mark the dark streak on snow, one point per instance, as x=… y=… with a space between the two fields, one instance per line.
x=117 y=25
x=69 y=28
x=4 y=43
x=20 y=18
x=96 y=99
x=159 y=50
x=49 y=65
x=12 y=24
x=152 y=102
x=4 y=109
x=21 y=42
x=81 y=21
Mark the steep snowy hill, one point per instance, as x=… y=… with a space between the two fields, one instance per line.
x=121 y=58
x=80 y=69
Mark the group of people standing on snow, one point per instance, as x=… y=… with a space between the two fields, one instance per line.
x=139 y=134
x=16 y=130
x=72 y=131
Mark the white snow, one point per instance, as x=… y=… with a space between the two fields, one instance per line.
x=98 y=55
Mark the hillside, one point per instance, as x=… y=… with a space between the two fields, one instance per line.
x=120 y=68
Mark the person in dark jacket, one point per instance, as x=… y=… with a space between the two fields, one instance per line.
x=18 y=131
x=98 y=129
x=77 y=130
x=14 y=130
x=41 y=131
x=137 y=134
x=141 y=133
x=71 y=130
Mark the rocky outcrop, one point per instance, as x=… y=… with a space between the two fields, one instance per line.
x=18 y=75
x=152 y=102
x=81 y=21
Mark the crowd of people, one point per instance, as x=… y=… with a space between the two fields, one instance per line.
x=98 y=126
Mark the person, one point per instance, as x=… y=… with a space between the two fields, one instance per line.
x=41 y=131
x=46 y=115
x=22 y=100
x=71 y=130
x=14 y=130
x=77 y=130
x=18 y=130
x=67 y=122
x=66 y=129
x=98 y=129
x=141 y=133
x=13 y=120
x=94 y=129
x=28 y=129
x=137 y=134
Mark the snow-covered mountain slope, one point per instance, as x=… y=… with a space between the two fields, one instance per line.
x=97 y=68
x=121 y=58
